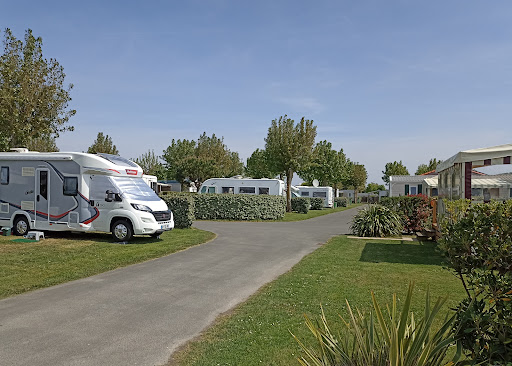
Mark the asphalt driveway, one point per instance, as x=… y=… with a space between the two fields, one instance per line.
x=138 y=315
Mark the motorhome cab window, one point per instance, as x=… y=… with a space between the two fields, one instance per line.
x=135 y=189
x=70 y=186
x=304 y=194
x=4 y=175
x=247 y=190
x=320 y=194
x=228 y=190
x=263 y=190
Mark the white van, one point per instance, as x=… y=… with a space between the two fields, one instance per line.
x=324 y=193
x=78 y=192
x=273 y=187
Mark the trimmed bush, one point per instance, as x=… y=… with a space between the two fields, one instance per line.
x=376 y=221
x=317 y=203
x=341 y=201
x=239 y=207
x=415 y=211
x=300 y=204
x=182 y=207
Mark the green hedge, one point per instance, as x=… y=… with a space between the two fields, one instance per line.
x=182 y=207
x=317 y=203
x=239 y=207
x=301 y=204
x=341 y=201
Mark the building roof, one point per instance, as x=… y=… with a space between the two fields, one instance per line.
x=477 y=182
x=494 y=155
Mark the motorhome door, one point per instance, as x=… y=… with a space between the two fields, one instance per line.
x=42 y=204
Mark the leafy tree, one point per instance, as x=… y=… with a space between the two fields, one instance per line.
x=42 y=144
x=343 y=171
x=33 y=99
x=358 y=178
x=372 y=187
x=289 y=147
x=258 y=166
x=196 y=161
x=394 y=168
x=150 y=164
x=103 y=144
x=425 y=168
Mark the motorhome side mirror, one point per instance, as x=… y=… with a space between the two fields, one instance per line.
x=109 y=196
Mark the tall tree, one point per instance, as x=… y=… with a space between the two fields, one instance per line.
x=358 y=179
x=150 y=164
x=103 y=144
x=196 y=161
x=258 y=166
x=33 y=98
x=42 y=144
x=289 y=147
x=324 y=165
x=372 y=187
x=425 y=168
x=394 y=168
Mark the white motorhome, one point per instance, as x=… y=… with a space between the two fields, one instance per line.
x=324 y=193
x=78 y=192
x=273 y=187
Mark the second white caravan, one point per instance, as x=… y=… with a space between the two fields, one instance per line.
x=273 y=187
x=325 y=193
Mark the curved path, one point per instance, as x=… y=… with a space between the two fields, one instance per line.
x=138 y=315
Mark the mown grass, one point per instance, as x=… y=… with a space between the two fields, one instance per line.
x=257 y=332
x=295 y=216
x=63 y=257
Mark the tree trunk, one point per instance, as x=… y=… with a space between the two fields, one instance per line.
x=289 y=176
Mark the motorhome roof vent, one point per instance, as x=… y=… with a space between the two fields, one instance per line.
x=19 y=149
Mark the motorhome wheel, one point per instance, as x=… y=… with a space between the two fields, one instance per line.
x=21 y=226
x=122 y=230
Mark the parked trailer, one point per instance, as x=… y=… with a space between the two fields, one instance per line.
x=78 y=192
x=273 y=187
x=325 y=193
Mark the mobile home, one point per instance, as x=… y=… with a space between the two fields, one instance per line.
x=273 y=187
x=78 y=192
x=324 y=193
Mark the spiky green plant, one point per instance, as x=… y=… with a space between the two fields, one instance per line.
x=376 y=221
x=375 y=339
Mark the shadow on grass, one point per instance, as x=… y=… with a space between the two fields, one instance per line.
x=424 y=253
x=99 y=237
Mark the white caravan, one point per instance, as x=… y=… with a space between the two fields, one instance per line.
x=324 y=193
x=273 y=187
x=78 y=192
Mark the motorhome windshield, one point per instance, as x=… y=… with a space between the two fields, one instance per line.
x=135 y=189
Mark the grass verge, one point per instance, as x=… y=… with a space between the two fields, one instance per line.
x=295 y=216
x=257 y=332
x=63 y=257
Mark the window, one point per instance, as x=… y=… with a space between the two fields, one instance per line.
x=413 y=190
x=70 y=186
x=247 y=190
x=263 y=190
x=320 y=194
x=203 y=190
x=230 y=190
x=211 y=189
x=304 y=194
x=43 y=184
x=4 y=175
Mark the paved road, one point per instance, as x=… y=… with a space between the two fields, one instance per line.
x=138 y=315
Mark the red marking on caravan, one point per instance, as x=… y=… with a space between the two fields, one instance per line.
x=131 y=172
x=115 y=171
x=93 y=218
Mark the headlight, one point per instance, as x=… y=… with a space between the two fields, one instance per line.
x=141 y=207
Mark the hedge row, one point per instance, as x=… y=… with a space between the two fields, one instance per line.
x=301 y=204
x=228 y=207
x=341 y=201
x=317 y=203
x=182 y=207
x=415 y=211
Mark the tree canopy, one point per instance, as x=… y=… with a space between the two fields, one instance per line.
x=150 y=164
x=258 y=166
x=358 y=178
x=372 y=187
x=33 y=98
x=103 y=144
x=196 y=161
x=425 y=168
x=289 y=147
x=394 y=168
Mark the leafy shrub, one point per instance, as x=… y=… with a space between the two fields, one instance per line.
x=377 y=221
x=182 y=207
x=239 y=207
x=341 y=201
x=415 y=211
x=317 y=203
x=477 y=241
x=301 y=204
x=379 y=339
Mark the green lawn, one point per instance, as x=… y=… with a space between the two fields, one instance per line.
x=258 y=331
x=63 y=257
x=294 y=216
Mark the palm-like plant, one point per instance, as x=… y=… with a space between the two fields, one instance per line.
x=375 y=339
x=377 y=221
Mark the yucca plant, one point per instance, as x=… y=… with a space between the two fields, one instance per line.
x=377 y=221
x=376 y=339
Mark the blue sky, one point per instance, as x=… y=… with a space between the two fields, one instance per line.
x=384 y=80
